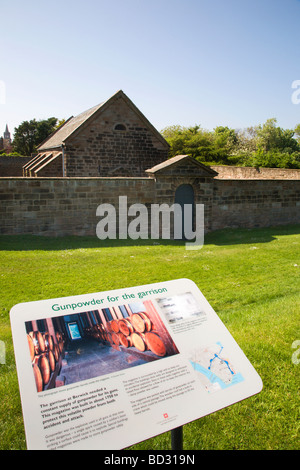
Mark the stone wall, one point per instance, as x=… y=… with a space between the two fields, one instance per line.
x=63 y=206
x=255 y=203
x=67 y=206
x=12 y=166
x=234 y=172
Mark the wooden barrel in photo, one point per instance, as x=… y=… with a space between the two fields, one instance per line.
x=31 y=347
x=130 y=342
x=101 y=331
x=48 y=342
x=115 y=326
x=146 y=320
x=123 y=340
x=51 y=359
x=43 y=364
x=61 y=345
x=155 y=343
x=125 y=327
x=115 y=338
x=95 y=332
x=60 y=340
x=58 y=336
x=105 y=336
x=138 y=341
x=138 y=322
x=38 y=377
x=56 y=352
x=109 y=338
x=38 y=341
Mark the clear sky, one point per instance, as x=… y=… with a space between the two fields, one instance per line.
x=187 y=62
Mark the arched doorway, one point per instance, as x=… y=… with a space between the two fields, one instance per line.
x=184 y=195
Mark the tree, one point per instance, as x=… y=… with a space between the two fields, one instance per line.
x=225 y=141
x=272 y=137
x=266 y=145
x=205 y=146
x=192 y=141
x=59 y=124
x=29 y=134
x=246 y=141
x=297 y=133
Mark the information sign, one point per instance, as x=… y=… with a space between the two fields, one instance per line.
x=110 y=369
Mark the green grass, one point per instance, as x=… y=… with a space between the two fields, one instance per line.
x=250 y=277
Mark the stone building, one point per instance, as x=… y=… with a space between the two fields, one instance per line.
x=68 y=206
x=112 y=150
x=111 y=139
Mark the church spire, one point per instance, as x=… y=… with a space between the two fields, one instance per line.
x=6 y=134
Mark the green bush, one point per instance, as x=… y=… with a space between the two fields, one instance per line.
x=13 y=154
x=260 y=146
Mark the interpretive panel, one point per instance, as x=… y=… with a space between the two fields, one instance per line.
x=110 y=369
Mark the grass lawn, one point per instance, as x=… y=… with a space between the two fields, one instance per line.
x=250 y=277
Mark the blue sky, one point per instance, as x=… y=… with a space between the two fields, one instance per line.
x=207 y=62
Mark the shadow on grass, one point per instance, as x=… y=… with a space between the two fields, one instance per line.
x=38 y=242
x=218 y=237
x=246 y=236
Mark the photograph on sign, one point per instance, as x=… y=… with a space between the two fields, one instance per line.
x=135 y=329
x=110 y=369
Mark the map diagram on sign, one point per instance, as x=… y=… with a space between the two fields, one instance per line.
x=214 y=369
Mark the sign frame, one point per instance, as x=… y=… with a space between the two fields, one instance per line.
x=199 y=369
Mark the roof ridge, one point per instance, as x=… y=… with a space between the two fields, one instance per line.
x=173 y=160
x=72 y=126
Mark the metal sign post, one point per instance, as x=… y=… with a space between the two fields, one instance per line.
x=177 y=438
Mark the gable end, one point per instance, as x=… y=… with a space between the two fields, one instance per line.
x=183 y=165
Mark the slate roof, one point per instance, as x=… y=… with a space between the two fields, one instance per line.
x=73 y=124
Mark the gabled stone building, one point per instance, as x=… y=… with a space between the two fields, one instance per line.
x=112 y=150
x=111 y=139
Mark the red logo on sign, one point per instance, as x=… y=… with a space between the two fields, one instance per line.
x=165 y=415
